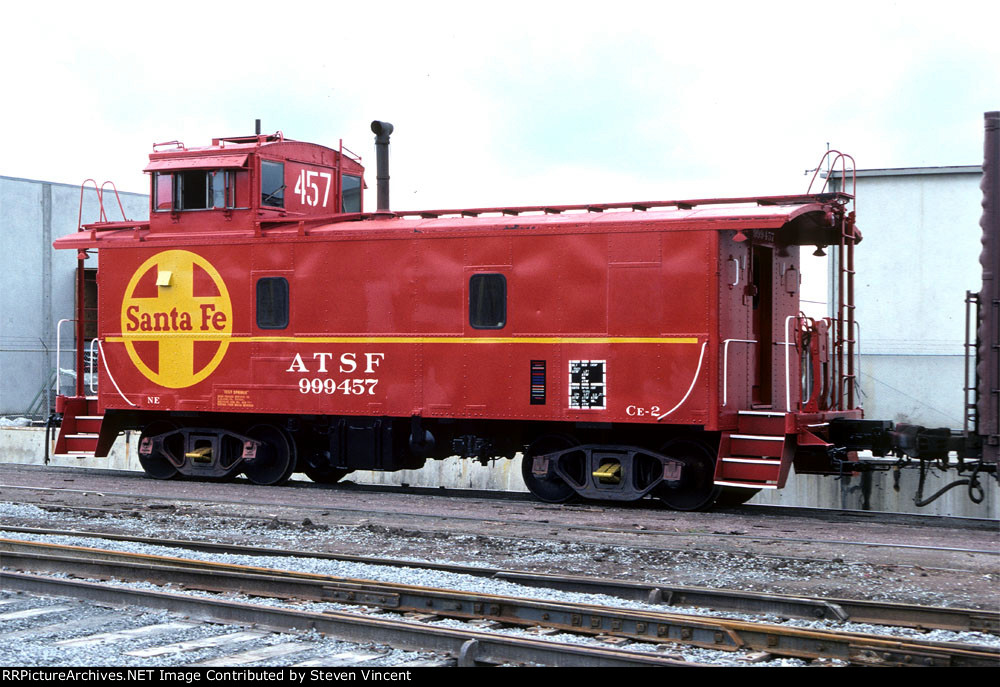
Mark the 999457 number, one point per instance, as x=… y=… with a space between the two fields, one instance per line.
x=355 y=387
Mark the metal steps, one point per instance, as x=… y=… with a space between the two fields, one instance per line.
x=753 y=457
x=81 y=427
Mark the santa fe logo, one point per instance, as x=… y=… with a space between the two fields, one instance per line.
x=177 y=318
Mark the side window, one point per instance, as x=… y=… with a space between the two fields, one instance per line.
x=351 y=194
x=488 y=301
x=163 y=191
x=223 y=189
x=272 y=184
x=191 y=190
x=194 y=190
x=272 y=303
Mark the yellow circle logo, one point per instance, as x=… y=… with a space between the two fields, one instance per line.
x=177 y=318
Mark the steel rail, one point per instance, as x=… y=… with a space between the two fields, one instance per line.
x=737 y=601
x=587 y=619
x=471 y=647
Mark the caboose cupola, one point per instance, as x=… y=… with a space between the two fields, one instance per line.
x=250 y=178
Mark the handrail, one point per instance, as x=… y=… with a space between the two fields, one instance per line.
x=636 y=206
x=694 y=379
x=79 y=217
x=93 y=372
x=117 y=197
x=103 y=216
x=855 y=379
x=350 y=153
x=110 y=376
x=845 y=318
x=788 y=379
x=725 y=365
x=59 y=351
x=842 y=158
x=339 y=179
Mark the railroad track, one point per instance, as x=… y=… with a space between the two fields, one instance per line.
x=676 y=596
x=651 y=627
x=471 y=647
x=61 y=631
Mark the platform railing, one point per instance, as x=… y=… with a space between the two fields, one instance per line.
x=788 y=344
x=725 y=366
x=59 y=353
x=100 y=202
x=92 y=361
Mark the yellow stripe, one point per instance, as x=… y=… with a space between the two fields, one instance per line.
x=408 y=339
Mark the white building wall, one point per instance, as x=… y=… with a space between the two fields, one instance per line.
x=918 y=257
x=38 y=283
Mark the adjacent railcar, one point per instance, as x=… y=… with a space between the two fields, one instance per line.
x=261 y=322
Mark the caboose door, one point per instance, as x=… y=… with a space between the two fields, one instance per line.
x=761 y=323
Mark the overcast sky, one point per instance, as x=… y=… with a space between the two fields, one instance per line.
x=507 y=102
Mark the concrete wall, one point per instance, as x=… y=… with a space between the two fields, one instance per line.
x=879 y=491
x=38 y=283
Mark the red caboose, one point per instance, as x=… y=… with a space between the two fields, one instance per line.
x=261 y=322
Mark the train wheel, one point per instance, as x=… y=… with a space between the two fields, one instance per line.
x=696 y=489
x=552 y=489
x=156 y=464
x=275 y=459
x=734 y=496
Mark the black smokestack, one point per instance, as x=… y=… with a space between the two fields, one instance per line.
x=382 y=130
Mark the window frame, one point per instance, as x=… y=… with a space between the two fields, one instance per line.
x=182 y=181
x=355 y=192
x=279 y=193
x=482 y=276
x=157 y=188
x=283 y=308
x=178 y=179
